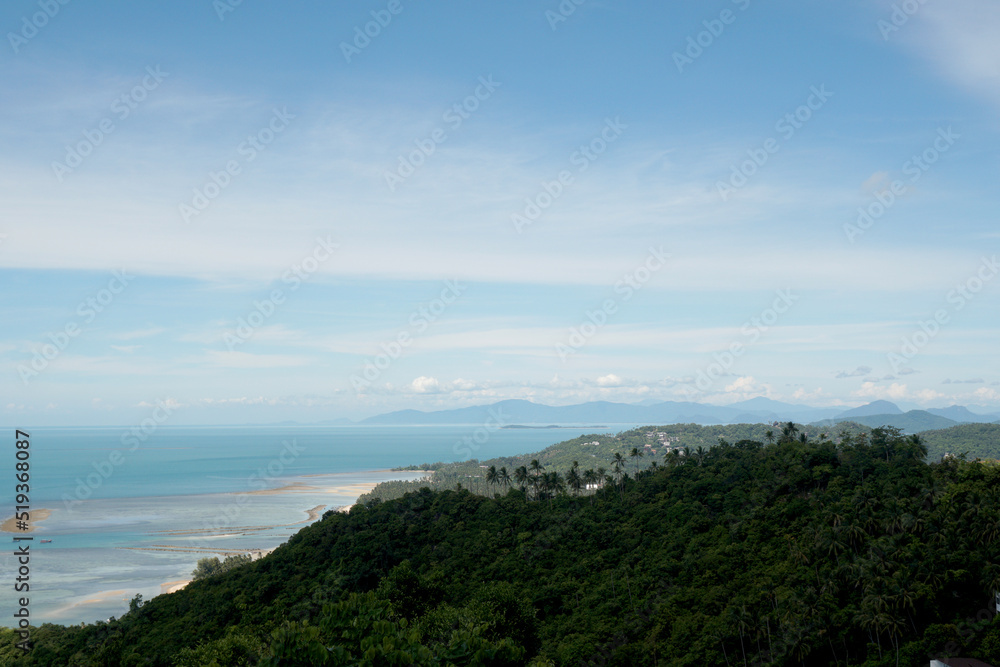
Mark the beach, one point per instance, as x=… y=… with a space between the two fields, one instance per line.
x=139 y=527
x=103 y=552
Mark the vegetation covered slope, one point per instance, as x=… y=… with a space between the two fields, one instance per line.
x=913 y=421
x=597 y=452
x=975 y=440
x=796 y=553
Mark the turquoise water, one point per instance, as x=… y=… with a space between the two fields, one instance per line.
x=130 y=514
x=184 y=460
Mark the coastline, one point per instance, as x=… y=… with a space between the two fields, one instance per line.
x=356 y=489
x=150 y=545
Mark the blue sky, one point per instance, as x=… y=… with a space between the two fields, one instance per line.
x=622 y=201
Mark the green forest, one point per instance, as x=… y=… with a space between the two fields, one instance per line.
x=791 y=548
x=597 y=452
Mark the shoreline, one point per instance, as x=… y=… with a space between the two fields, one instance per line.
x=178 y=544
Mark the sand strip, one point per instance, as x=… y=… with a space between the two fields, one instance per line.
x=35 y=516
x=173 y=586
x=288 y=488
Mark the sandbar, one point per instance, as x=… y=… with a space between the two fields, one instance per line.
x=173 y=586
x=36 y=516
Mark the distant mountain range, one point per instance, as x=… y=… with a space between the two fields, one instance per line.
x=753 y=411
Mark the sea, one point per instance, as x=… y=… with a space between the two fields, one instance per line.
x=130 y=513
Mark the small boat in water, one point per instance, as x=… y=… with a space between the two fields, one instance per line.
x=46 y=541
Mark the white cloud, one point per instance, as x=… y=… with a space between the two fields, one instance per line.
x=928 y=395
x=610 y=380
x=426 y=385
x=743 y=385
x=987 y=394
x=871 y=390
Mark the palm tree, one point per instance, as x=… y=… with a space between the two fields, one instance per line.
x=573 y=479
x=491 y=475
x=521 y=478
x=618 y=462
x=673 y=457
x=769 y=436
x=699 y=455
x=636 y=454
x=590 y=478
x=553 y=483
x=536 y=469
x=504 y=477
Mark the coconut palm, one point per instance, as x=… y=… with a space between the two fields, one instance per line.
x=491 y=475
x=521 y=478
x=551 y=483
x=636 y=455
x=536 y=469
x=573 y=480
x=504 y=477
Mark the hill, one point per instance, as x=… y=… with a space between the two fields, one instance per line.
x=962 y=415
x=786 y=554
x=977 y=440
x=604 y=412
x=596 y=452
x=913 y=421
x=871 y=409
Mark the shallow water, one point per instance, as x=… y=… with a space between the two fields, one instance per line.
x=119 y=521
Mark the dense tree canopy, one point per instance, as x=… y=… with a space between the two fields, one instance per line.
x=794 y=553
